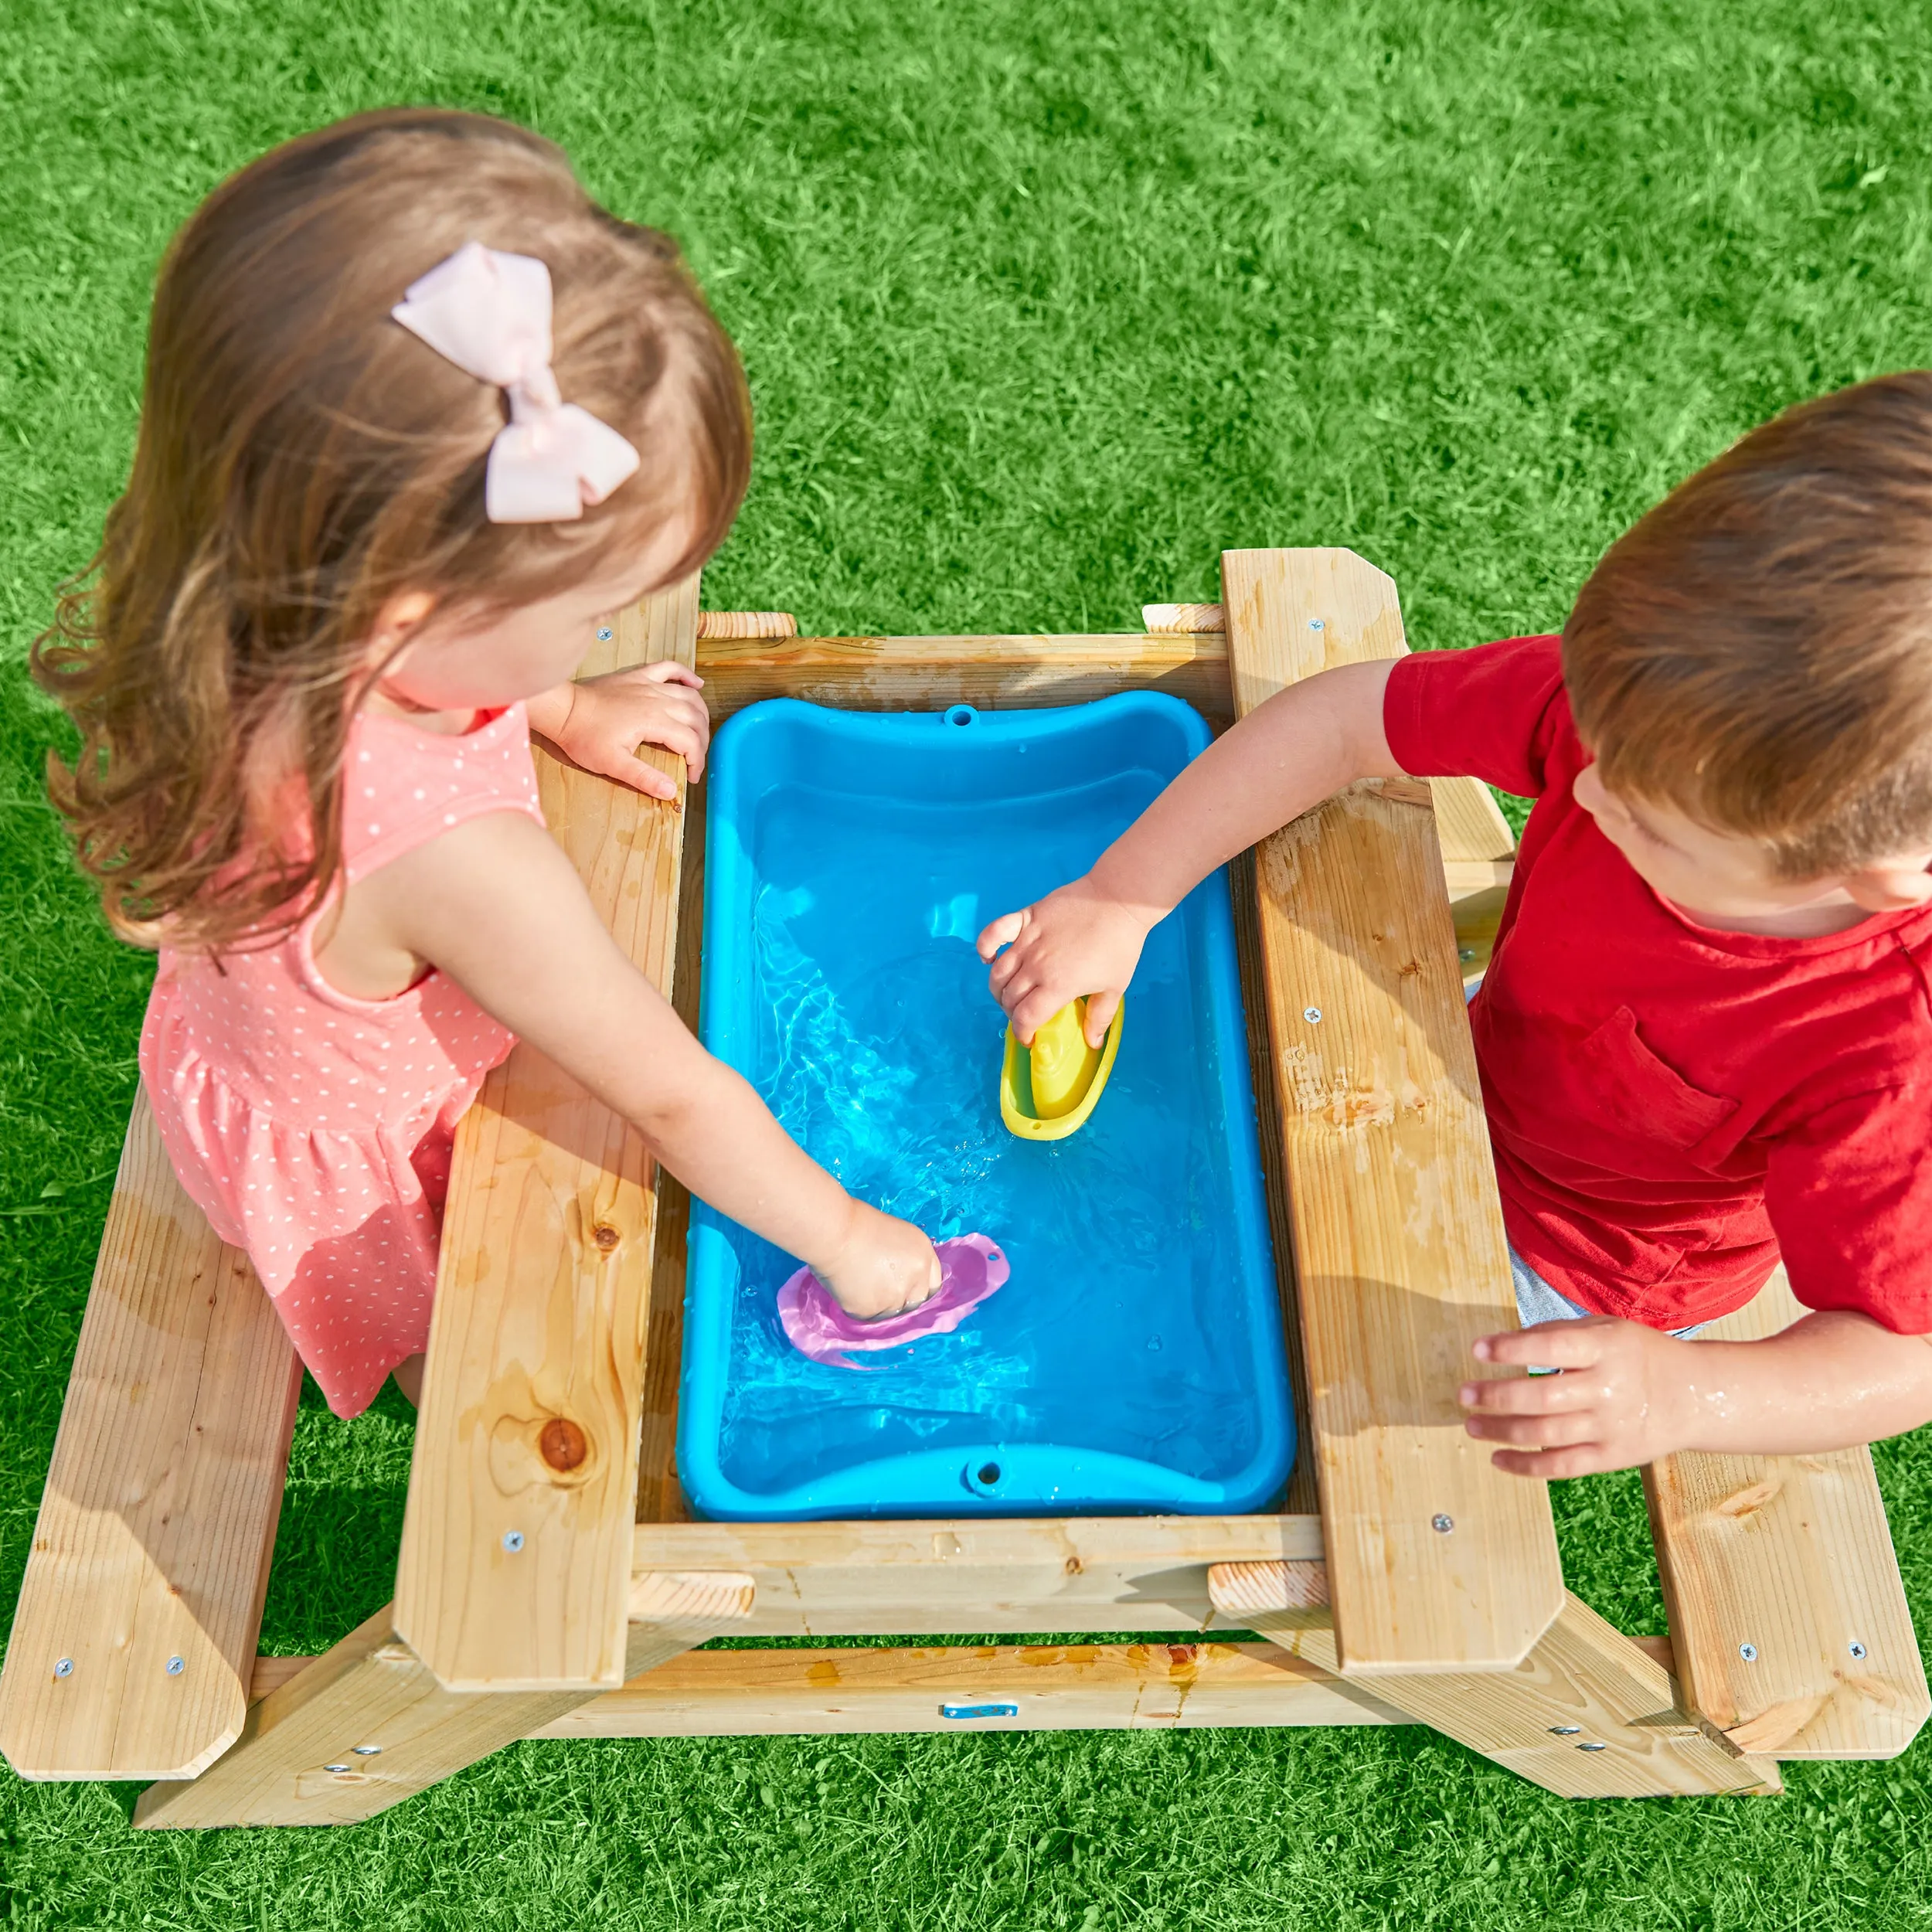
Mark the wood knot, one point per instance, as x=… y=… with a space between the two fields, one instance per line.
x=606 y=1236
x=563 y=1444
x=1749 y=1500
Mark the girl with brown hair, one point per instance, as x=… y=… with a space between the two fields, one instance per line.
x=418 y=413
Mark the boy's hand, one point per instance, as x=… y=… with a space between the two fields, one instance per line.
x=883 y=1266
x=1623 y=1398
x=1075 y=940
x=599 y=722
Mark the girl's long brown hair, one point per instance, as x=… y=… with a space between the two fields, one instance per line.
x=302 y=458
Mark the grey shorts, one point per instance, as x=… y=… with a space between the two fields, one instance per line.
x=1536 y=1301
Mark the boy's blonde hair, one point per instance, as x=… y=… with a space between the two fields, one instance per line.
x=1756 y=651
x=301 y=458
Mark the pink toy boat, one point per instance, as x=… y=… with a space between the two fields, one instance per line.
x=972 y=1268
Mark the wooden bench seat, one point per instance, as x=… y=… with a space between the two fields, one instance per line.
x=1787 y=1616
x=133 y=1646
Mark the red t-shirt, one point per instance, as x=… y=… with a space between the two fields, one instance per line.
x=1672 y=1106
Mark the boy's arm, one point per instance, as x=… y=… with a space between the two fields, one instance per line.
x=1628 y=1395
x=1301 y=746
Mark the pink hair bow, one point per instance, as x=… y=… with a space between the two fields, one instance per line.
x=489 y=313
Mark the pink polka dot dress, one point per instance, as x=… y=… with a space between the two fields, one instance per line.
x=314 y=1130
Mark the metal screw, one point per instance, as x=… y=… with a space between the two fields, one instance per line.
x=63 y=1667
x=603 y=633
x=1312 y=1014
x=335 y=1767
x=1442 y=1525
x=365 y=1750
x=1858 y=1650
x=176 y=1665
x=1748 y=1652
x=1314 y=624
x=1566 y=1730
x=1593 y=1747
x=513 y=1540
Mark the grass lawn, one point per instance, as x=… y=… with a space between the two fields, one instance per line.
x=1044 y=305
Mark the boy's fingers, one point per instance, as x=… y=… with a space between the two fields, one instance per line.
x=1555 y=1465
x=1562 y=1431
x=1550 y=1344
x=1100 y=1009
x=1002 y=932
x=1006 y=969
x=1533 y=1396
x=1032 y=1011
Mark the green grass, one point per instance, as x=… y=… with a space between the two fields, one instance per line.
x=1044 y=304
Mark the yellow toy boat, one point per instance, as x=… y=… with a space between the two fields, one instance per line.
x=1047 y=1091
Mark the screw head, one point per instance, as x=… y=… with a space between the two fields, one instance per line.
x=1857 y=1649
x=513 y=1540
x=63 y=1667
x=335 y=1767
x=1566 y=1730
x=1748 y=1652
x=365 y=1750
x=1442 y=1525
x=1315 y=623
x=1312 y=1015
x=1593 y=1747
x=603 y=633
x=176 y=1665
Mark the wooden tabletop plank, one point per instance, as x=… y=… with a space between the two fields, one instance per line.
x=515 y=1565
x=1789 y=1559
x=918 y=674
x=131 y=1649
x=1437 y=1561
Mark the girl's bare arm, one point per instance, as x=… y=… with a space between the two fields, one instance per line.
x=495 y=904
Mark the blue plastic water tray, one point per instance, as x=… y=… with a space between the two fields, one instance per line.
x=1134 y=1361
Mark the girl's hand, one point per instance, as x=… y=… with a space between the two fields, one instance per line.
x=599 y=723
x=1627 y=1395
x=1075 y=940
x=883 y=1266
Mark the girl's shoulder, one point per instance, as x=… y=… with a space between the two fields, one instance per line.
x=403 y=785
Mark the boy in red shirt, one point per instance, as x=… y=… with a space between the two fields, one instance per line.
x=1705 y=1033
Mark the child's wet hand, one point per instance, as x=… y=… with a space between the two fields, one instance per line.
x=1621 y=1400
x=883 y=1266
x=657 y=704
x=1075 y=941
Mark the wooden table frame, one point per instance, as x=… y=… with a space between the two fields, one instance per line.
x=550 y=1583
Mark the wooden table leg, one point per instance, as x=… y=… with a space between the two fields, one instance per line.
x=1588 y=1713
x=367 y=1725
